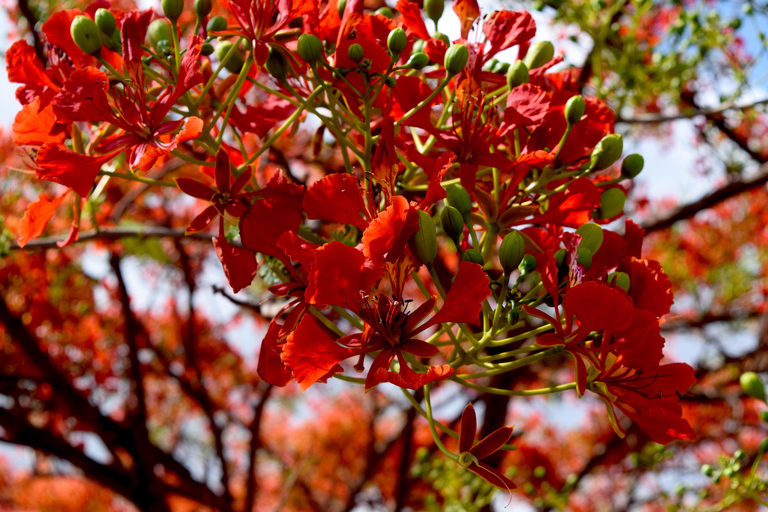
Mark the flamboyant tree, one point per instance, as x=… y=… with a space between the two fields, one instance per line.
x=267 y=255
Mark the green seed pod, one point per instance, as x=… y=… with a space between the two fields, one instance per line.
x=434 y=9
x=172 y=8
x=424 y=241
x=752 y=385
x=528 y=264
x=86 y=34
x=236 y=60
x=591 y=237
x=611 y=203
x=276 y=64
x=458 y=197
x=216 y=24
x=517 y=74
x=620 y=280
x=105 y=20
x=356 y=52
x=539 y=54
x=456 y=58
x=310 y=48
x=607 y=151
x=574 y=109
x=632 y=165
x=397 y=41
x=341 y=6
x=386 y=12
x=206 y=49
x=202 y=8
x=453 y=224
x=473 y=256
x=159 y=30
x=417 y=61
x=442 y=37
x=511 y=251
x=584 y=258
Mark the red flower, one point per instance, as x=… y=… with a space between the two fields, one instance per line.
x=472 y=457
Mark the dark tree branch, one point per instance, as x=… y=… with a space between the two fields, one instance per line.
x=252 y=483
x=662 y=118
x=31 y=17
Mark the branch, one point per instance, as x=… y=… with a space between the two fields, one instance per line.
x=32 y=20
x=252 y=485
x=706 y=319
x=661 y=118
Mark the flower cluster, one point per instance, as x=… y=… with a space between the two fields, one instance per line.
x=462 y=238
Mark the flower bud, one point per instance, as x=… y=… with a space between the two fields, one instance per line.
x=513 y=316
x=172 y=8
x=341 y=6
x=458 y=197
x=511 y=251
x=763 y=446
x=442 y=37
x=456 y=58
x=105 y=20
x=159 y=30
x=276 y=64
x=236 y=60
x=473 y=256
x=591 y=237
x=764 y=416
x=453 y=224
x=310 y=48
x=355 y=52
x=528 y=264
x=739 y=454
x=424 y=241
x=619 y=280
x=607 y=151
x=632 y=165
x=584 y=258
x=501 y=68
x=707 y=470
x=417 y=61
x=85 y=34
x=752 y=385
x=434 y=9
x=206 y=49
x=517 y=74
x=216 y=24
x=386 y=12
x=574 y=109
x=390 y=81
x=418 y=46
x=397 y=41
x=539 y=54
x=611 y=203
x=202 y=8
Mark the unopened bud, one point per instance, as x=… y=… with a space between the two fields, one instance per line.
x=105 y=20
x=456 y=58
x=591 y=237
x=517 y=74
x=501 y=68
x=355 y=53
x=86 y=34
x=458 y=197
x=574 y=109
x=390 y=81
x=310 y=48
x=473 y=256
x=511 y=251
x=172 y=8
x=752 y=385
x=341 y=6
x=611 y=203
x=216 y=24
x=159 y=30
x=386 y=12
x=442 y=37
x=607 y=151
x=276 y=64
x=632 y=165
x=707 y=470
x=424 y=241
x=206 y=49
x=619 y=280
x=236 y=59
x=397 y=41
x=539 y=54
x=434 y=9
x=417 y=61
x=584 y=258
x=203 y=8
x=764 y=416
x=559 y=258
x=528 y=264
x=453 y=224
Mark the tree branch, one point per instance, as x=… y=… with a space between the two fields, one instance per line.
x=662 y=118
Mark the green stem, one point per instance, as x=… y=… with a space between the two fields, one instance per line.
x=133 y=177
x=509 y=392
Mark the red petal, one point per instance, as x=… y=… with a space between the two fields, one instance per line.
x=58 y=164
x=419 y=348
x=25 y=68
x=82 y=97
x=650 y=287
x=492 y=476
x=598 y=307
x=193 y=127
x=35 y=218
x=492 y=442
x=203 y=220
x=133 y=30
x=468 y=428
x=527 y=105
x=57 y=32
x=298 y=249
x=239 y=264
x=268 y=219
x=573 y=207
x=504 y=29
x=387 y=235
x=409 y=379
x=664 y=426
x=412 y=20
x=339 y=276
x=36 y=126
x=271 y=367
x=467 y=11
x=222 y=171
x=260 y=119
x=336 y=198
x=464 y=301
x=195 y=189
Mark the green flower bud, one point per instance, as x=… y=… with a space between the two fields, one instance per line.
x=110 y=42
x=764 y=416
x=453 y=224
x=276 y=64
x=528 y=264
x=341 y=6
x=434 y=9
x=511 y=251
x=424 y=241
x=417 y=61
x=390 y=81
x=473 y=256
x=172 y=8
x=513 y=316
x=574 y=109
x=607 y=151
x=203 y=8
x=539 y=54
x=86 y=34
x=560 y=259
x=632 y=165
x=442 y=37
x=501 y=68
x=310 y=48
x=611 y=203
x=236 y=60
x=456 y=58
x=164 y=47
x=386 y=12
x=216 y=24
x=591 y=237
x=397 y=41
x=206 y=49
x=739 y=454
x=418 y=46
x=619 y=280
x=159 y=30
x=355 y=52
x=707 y=470
x=517 y=74
x=458 y=197
x=752 y=385
x=540 y=472
x=763 y=446
x=490 y=65
x=584 y=258
x=105 y=20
